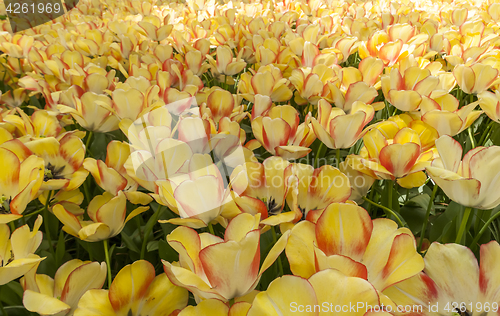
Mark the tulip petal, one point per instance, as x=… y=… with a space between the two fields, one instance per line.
x=43 y=304
x=95 y=303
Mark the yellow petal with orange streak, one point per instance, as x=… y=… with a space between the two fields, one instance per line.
x=322 y=134
x=275 y=251
x=292 y=152
x=43 y=304
x=163 y=297
x=398 y=159
x=340 y=290
x=128 y=104
x=282 y=294
x=407 y=135
x=371 y=68
x=335 y=230
x=465 y=78
x=95 y=303
x=71 y=223
x=374 y=141
x=220 y=103
x=405 y=100
x=113 y=212
x=389 y=53
x=187 y=243
x=240 y=308
x=446 y=123
x=210 y=307
x=346 y=129
x=485 y=76
x=413 y=75
x=359 y=91
x=93 y=232
x=86 y=277
x=413 y=180
x=344 y=264
x=240 y=226
x=232 y=267
x=130 y=285
x=300 y=249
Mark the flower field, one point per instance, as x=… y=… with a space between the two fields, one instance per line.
x=233 y=158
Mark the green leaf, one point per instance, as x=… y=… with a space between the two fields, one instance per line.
x=166 y=252
x=11 y=293
x=60 y=249
x=152 y=246
x=129 y=242
x=441 y=225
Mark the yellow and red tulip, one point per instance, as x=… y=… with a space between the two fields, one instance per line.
x=469 y=181
x=135 y=291
x=336 y=129
x=490 y=104
x=476 y=78
x=17 y=251
x=267 y=81
x=345 y=238
x=211 y=267
x=60 y=296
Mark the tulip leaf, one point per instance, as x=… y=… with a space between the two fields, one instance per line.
x=11 y=293
x=129 y=242
x=60 y=249
x=442 y=224
x=152 y=245
x=166 y=252
x=414 y=217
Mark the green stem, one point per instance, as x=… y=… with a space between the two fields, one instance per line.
x=87 y=143
x=463 y=224
x=372 y=192
x=211 y=229
x=389 y=185
x=148 y=232
x=318 y=152
x=472 y=141
x=338 y=157
x=12 y=226
x=427 y=214
x=108 y=261
x=34 y=213
x=486 y=133
x=481 y=232
x=387 y=210
x=275 y=239
x=46 y=222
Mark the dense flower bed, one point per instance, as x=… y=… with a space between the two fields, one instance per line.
x=252 y=158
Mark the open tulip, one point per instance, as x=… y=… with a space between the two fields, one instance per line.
x=346 y=238
x=20 y=182
x=135 y=291
x=280 y=133
x=467 y=288
x=490 y=104
x=327 y=292
x=211 y=267
x=336 y=129
x=471 y=181
x=17 y=251
x=226 y=64
x=476 y=78
x=215 y=307
x=107 y=214
x=60 y=296
x=268 y=81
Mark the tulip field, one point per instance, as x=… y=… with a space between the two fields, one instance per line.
x=251 y=158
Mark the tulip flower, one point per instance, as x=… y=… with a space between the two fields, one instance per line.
x=40 y=124
x=443 y=114
x=467 y=288
x=221 y=268
x=476 y=78
x=14 y=98
x=90 y=113
x=107 y=217
x=135 y=291
x=268 y=81
x=63 y=158
x=490 y=104
x=336 y=129
x=400 y=154
x=280 y=133
x=151 y=27
x=226 y=64
x=17 y=251
x=199 y=196
x=16 y=46
x=60 y=296
x=347 y=239
x=324 y=293
x=312 y=84
x=215 y=307
x=406 y=90
x=360 y=182
x=70 y=200
x=314 y=189
x=20 y=182
x=470 y=181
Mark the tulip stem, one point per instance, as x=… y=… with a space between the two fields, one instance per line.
x=46 y=223
x=318 y=153
x=427 y=214
x=108 y=261
x=473 y=143
x=486 y=133
x=211 y=229
x=483 y=229
x=388 y=210
x=148 y=231
x=87 y=143
x=389 y=193
x=338 y=157
x=275 y=239
x=463 y=224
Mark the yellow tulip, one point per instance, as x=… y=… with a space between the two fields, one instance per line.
x=215 y=307
x=60 y=296
x=347 y=239
x=17 y=250
x=336 y=129
x=490 y=104
x=267 y=81
x=476 y=78
x=135 y=291
x=470 y=181
x=20 y=181
x=211 y=267
x=107 y=217
x=226 y=64
x=280 y=133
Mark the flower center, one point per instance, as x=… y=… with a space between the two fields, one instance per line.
x=4 y=205
x=52 y=173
